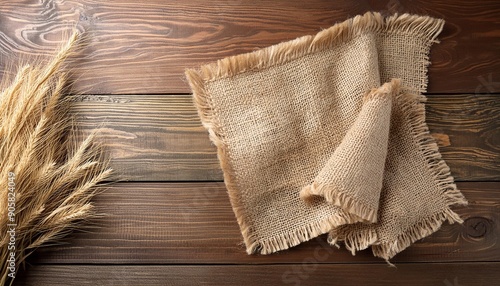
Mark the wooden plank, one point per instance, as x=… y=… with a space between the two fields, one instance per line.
x=446 y=274
x=160 y=138
x=467 y=130
x=185 y=223
x=151 y=138
x=145 y=48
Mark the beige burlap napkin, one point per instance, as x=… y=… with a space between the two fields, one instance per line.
x=311 y=141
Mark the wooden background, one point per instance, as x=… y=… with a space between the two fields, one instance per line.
x=169 y=221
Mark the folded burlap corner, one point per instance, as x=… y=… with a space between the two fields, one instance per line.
x=352 y=177
x=311 y=142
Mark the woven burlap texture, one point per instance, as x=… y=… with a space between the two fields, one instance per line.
x=311 y=141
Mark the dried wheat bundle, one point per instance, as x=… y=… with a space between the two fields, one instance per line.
x=46 y=179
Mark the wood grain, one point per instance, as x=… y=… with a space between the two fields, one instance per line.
x=186 y=223
x=160 y=138
x=150 y=138
x=139 y=49
x=443 y=274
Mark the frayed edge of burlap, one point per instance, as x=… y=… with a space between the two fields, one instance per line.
x=420 y=230
x=414 y=109
x=413 y=106
x=418 y=26
x=208 y=116
x=305 y=233
x=353 y=240
x=339 y=198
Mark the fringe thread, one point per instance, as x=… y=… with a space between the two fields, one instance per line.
x=359 y=211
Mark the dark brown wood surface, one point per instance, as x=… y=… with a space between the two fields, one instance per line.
x=144 y=48
x=412 y=274
x=169 y=221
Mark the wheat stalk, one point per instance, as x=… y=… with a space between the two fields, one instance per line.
x=53 y=178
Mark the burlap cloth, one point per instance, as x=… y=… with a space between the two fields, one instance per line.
x=310 y=141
